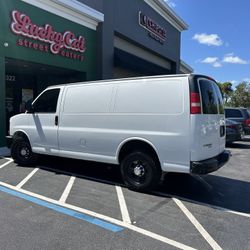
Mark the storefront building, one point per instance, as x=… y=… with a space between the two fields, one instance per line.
x=138 y=38
x=43 y=43
x=48 y=42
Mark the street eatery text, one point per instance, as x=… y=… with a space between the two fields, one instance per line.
x=58 y=43
x=155 y=30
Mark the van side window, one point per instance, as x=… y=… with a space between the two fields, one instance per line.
x=209 y=97
x=47 y=102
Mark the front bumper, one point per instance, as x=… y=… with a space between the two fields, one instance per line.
x=210 y=165
x=9 y=140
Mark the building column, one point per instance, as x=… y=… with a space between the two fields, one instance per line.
x=105 y=41
x=2 y=103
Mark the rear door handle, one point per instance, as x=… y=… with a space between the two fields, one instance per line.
x=56 y=120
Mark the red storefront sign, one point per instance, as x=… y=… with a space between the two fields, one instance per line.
x=155 y=30
x=66 y=44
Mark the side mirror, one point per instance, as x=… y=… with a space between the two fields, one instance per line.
x=29 y=108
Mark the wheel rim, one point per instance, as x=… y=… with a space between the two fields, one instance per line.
x=24 y=151
x=137 y=171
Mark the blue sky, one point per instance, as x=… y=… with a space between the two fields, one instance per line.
x=217 y=42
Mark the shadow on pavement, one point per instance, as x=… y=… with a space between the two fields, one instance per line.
x=106 y=173
x=238 y=145
x=210 y=189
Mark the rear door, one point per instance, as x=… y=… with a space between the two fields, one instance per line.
x=208 y=126
x=221 y=117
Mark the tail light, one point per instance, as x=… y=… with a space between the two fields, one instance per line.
x=247 y=122
x=195 y=103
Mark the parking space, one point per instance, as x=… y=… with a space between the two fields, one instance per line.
x=75 y=202
x=47 y=183
x=95 y=196
x=162 y=216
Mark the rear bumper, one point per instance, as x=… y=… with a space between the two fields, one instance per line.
x=210 y=165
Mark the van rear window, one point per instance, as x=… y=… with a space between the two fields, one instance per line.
x=208 y=96
x=220 y=99
x=212 y=102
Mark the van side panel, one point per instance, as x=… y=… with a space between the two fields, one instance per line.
x=87 y=99
x=84 y=122
x=158 y=111
x=160 y=96
x=96 y=119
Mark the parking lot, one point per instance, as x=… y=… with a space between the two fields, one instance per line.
x=70 y=204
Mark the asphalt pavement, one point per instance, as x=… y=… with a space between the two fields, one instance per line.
x=70 y=204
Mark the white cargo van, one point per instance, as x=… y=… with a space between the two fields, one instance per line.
x=148 y=126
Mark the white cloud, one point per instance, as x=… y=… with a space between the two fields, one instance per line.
x=210 y=60
x=230 y=58
x=214 y=61
x=217 y=65
x=210 y=40
x=170 y=3
x=234 y=82
x=246 y=79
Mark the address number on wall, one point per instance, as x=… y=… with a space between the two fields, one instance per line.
x=10 y=78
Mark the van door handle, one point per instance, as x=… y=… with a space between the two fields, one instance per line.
x=56 y=120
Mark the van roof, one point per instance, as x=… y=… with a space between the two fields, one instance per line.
x=126 y=79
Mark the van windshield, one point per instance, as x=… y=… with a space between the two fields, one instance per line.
x=212 y=102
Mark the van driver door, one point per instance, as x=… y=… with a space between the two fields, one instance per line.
x=43 y=122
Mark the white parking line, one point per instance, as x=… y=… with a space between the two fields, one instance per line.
x=27 y=178
x=234 y=212
x=197 y=225
x=202 y=204
x=123 y=206
x=103 y=217
x=66 y=191
x=6 y=158
x=6 y=163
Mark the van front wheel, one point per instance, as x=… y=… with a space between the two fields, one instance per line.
x=21 y=152
x=140 y=171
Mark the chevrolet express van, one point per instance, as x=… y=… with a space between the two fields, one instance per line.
x=147 y=126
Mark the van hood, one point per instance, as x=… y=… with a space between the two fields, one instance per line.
x=17 y=121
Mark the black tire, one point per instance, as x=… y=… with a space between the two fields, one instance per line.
x=21 y=152
x=140 y=172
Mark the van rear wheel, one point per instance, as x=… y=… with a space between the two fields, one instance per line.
x=140 y=171
x=21 y=152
